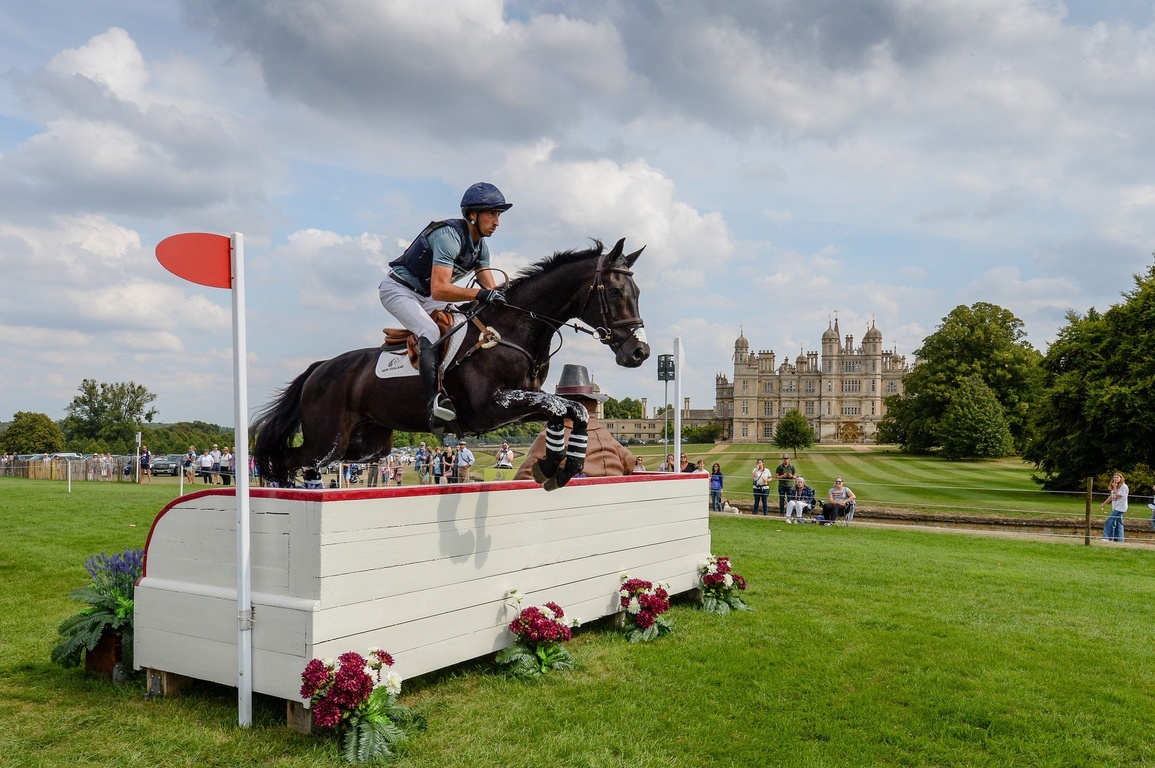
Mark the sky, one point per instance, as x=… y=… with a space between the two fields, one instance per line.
x=783 y=163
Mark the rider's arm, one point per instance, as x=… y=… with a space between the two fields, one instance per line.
x=442 y=287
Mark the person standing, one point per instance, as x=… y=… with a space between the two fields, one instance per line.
x=227 y=466
x=423 y=279
x=762 y=477
x=463 y=461
x=1117 y=498
x=421 y=464
x=216 y=468
x=716 y=481
x=668 y=464
x=437 y=463
x=145 y=465
x=785 y=474
x=190 y=460
x=206 y=462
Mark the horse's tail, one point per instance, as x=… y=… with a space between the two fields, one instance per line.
x=276 y=430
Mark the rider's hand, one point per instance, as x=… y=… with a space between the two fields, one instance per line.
x=491 y=296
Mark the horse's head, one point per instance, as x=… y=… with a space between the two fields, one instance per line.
x=612 y=307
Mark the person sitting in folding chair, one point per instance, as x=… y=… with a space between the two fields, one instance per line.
x=839 y=503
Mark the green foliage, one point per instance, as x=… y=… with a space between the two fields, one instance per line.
x=109 y=597
x=522 y=660
x=1098 y=393
x=32 y=433
x=793 y=432
x=176 y=438
x=379 y=726
x=626 y=408
x=707 y=433
x=982 y=340
x=109 y=414
x=974 y=426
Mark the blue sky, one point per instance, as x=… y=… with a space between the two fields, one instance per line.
x=782 y=162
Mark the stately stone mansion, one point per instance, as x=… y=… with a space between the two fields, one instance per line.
x=841 y=394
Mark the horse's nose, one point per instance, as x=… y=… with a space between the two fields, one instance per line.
x=641 y=353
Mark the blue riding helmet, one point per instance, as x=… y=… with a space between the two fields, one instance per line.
x=483 y=196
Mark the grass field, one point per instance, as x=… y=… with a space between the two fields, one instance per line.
x=868 y=647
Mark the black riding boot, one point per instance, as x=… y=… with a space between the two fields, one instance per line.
x=440 y=407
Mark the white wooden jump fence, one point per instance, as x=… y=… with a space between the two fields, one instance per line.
x=423 y=571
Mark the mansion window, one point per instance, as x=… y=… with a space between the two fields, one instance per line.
x=891 y=387
x=744 y=432
x=789 y=386
x=767 y=409
x=767 y=431
x=810 y=387
x=851 y=385
x=745 y=408
x=850 y=409
x=809 y=407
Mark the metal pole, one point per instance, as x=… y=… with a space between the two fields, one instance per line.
x=241 y=436
x=666 y=422
x=1087 y=532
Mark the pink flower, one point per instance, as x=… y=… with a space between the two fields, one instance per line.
x=326 y=714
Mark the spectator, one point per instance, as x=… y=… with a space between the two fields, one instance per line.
x=668 y=464
x=785 y=475
x=206 y=464
x=145 y=465
x=640 y=466
x=504 y=457
x=800 y=501
x=190 y=464
x=685 y=465
x=762 y=477
x=839 y=501
x=716 y=488
x=397 y=470
x=437 y=463
x=374 y=474
x=605 y=456
x=1117 y=498
x=226 y=466
x=462 y=462
x=216 y=469
x=421 y=461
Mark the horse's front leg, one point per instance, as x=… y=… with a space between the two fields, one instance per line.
x=524 y=404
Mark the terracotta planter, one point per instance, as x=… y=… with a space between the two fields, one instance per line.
x=107 y=658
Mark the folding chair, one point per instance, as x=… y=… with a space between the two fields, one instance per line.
x=848 y=517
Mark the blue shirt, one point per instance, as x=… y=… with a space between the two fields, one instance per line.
x=445 y=244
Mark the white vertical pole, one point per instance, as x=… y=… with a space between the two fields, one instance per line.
x=677 y=402
x=69 y=463
x=241 y=436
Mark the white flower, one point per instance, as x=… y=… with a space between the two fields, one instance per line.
x=711 y=569
x=634 y=606
x=574 y=622
x=625 y=576
x=330 y=663
x=728 y=580
x=392 y=682
x=548 y=612
x=623 y=593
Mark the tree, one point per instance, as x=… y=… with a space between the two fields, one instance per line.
x=1094 y=414
x=793 y=432
x=983 y=340
x=626 y=408
x=707 y=433
x=110 y=414
x=32 y=433
x=974 y=426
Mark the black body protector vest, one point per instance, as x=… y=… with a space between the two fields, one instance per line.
x=418 y=257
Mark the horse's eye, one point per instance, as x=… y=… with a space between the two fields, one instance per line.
x=616 y=293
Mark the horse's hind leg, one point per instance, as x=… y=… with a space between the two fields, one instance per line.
x=546 y=467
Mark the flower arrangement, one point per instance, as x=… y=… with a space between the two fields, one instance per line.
x=358 y=696
x=110 y=607
x=540 y=633
x=644 y=604
x=720 y=586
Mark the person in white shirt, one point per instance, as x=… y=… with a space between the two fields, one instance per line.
x=1117 y=498
x=504 y=457
x=839 y=501
x=761 y=477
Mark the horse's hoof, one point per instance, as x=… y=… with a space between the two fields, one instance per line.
x=538 y=474
x=550 y=484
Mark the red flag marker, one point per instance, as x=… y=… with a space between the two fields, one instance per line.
x=198 y=257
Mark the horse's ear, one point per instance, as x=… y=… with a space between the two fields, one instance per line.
x=634 y=257
x=616 y=252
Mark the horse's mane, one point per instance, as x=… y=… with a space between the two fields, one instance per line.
x=559 y=259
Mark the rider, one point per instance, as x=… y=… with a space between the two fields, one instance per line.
x=422 y=279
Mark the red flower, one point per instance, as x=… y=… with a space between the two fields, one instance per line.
x=326 y=714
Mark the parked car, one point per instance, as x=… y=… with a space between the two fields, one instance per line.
x=169 y=464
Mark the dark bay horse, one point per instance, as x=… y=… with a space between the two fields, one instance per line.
x=342 y=410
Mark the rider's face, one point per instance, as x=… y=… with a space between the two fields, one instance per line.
x=487 y=222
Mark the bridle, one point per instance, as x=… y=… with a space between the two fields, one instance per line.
x=604 y=332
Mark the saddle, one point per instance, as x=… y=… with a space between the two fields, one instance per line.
x=399 y=339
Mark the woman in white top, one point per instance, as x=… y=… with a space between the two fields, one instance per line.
x=761 y=477
x=1117 y=498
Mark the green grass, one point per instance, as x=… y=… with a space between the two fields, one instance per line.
x=868 y=647
x=883 y=478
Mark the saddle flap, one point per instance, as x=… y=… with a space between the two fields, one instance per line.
x=395 y=338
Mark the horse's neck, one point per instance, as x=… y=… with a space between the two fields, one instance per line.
x=557 y=297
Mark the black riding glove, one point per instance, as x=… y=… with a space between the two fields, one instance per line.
x=491 y=296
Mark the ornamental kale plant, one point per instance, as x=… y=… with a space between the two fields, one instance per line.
x=110 y=607
x=720 y=586
x=357 y=697
x=644 y=605
x=540 y=633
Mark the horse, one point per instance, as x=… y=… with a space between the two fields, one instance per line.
x=343 y=410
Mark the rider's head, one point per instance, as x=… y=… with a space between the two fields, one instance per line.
x=483 y=198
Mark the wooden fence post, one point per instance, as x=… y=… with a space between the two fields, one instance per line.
x=1087 y=535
